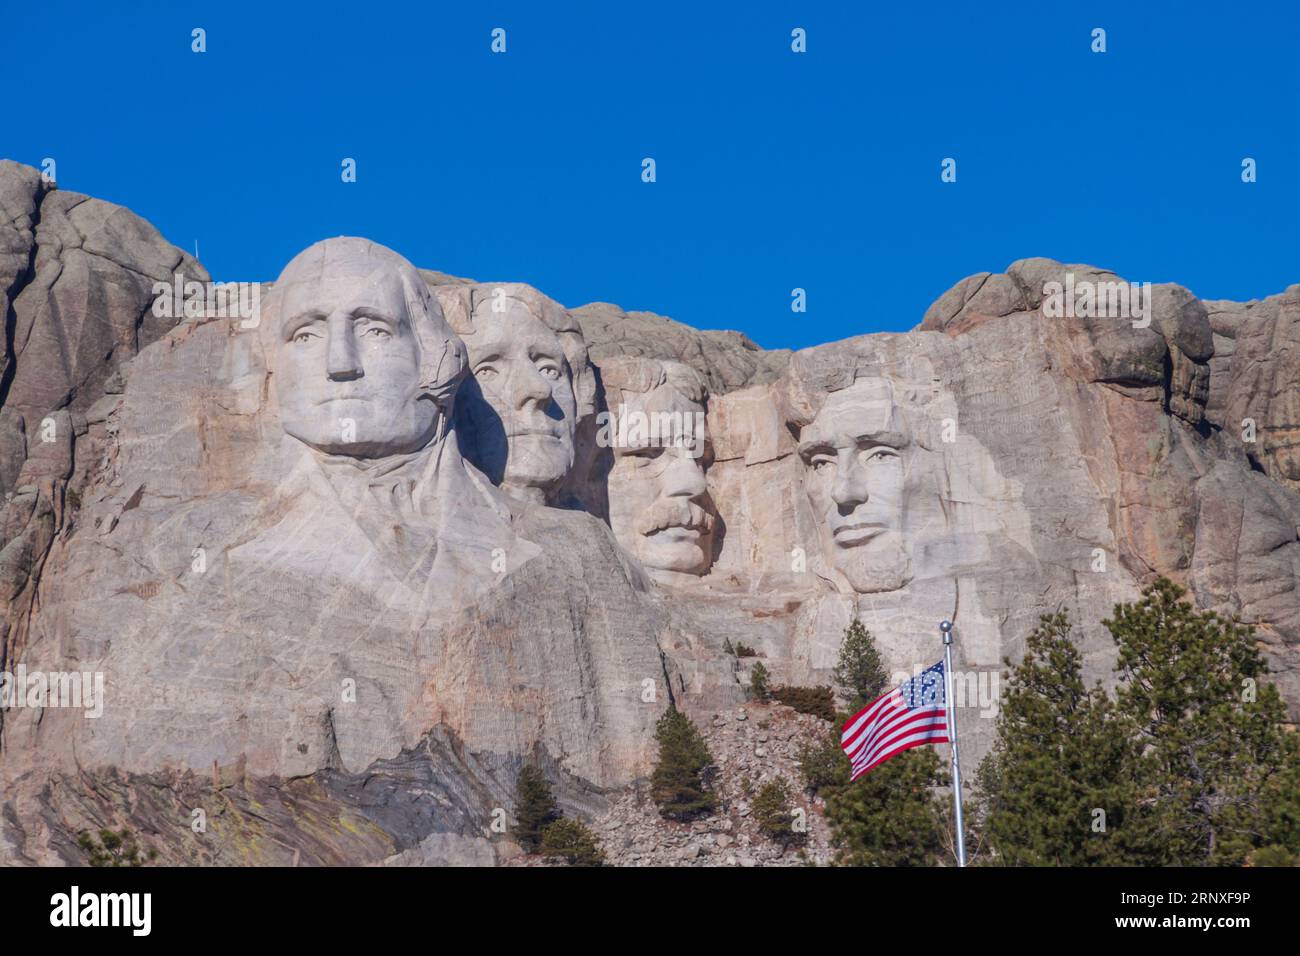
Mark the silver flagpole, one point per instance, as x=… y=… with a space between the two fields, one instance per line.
x=946 y=628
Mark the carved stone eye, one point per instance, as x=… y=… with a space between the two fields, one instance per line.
x=645 y=454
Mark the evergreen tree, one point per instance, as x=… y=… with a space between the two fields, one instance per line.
x=678 y=784
x=823 y=765
x=573 y=842
x=1215 y=767
x=772 y=811
x=859 y=672
x=1281 y=799
x=1190 y=761
x=891 y=815
x=758 y=681
x=535 y=808
x=1061 y=755
x=860 y=678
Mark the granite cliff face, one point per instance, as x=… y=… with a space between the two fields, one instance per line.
x=345 y=565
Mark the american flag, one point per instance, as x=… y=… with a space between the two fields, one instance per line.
x=908 y=716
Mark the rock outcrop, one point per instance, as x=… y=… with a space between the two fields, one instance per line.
x=344 y=566
x=76 y=285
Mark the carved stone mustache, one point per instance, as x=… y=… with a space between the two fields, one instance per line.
x=675 y=513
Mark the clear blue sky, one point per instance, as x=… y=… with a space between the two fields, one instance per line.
x=775 y=170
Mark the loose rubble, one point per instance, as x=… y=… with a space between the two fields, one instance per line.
x=751 y=744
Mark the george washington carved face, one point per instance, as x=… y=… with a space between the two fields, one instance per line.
x=854 y=453
x=364 y=365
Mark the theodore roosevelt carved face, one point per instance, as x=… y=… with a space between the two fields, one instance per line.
x=659 y=504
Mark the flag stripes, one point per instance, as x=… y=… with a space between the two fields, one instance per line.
x=910 y=715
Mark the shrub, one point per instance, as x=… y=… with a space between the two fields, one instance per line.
x=113 y=848
x=772 y=810
x=824 y=765
x=1272 y=855
x=573 y=842
x=818 y=701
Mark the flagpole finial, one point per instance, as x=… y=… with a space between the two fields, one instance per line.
x=946 y=627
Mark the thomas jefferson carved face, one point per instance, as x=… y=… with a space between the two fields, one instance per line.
x=854 y=453
x=520 y=408
x=659 y=505
x=350 y=372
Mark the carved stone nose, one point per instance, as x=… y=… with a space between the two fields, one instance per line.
x=530 y=386
x=344 y=359
x=684 y=477
x=850 y=488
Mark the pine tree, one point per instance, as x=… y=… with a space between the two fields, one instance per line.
x=1055 y=788
x=890 y=816
x=1190 y=761
x=860 y=678
x=758 y=681
x=823 y=765
x=859 y=672
x=571 y=841
x=1215 y=766
x=678 y=784
x=772 y=811
x=535 y=808
x=1280 y=834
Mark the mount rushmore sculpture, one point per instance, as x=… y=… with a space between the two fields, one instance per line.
x=355 y=561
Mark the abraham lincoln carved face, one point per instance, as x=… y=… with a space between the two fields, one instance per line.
x=855 y=456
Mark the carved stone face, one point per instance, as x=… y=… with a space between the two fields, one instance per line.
x=659 y=505
x=856 y=475
x=347 y=366
x=520 y=407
